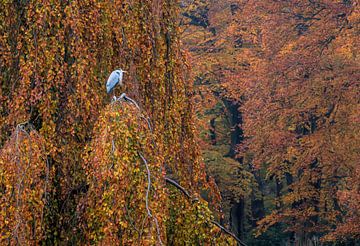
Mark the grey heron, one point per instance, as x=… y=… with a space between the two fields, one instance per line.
x=115 y=78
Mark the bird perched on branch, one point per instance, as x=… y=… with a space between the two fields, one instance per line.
x=114 y=79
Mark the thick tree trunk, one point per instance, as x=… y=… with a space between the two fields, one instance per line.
x=235 y=121
x=257 y=201
x=212 y=131
x=237 y=219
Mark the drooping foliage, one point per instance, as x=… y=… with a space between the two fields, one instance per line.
x=24 y=187
x=126 y=200
x=55 y=58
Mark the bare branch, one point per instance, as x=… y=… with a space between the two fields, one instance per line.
x=123 y=96
x=182 y=189
x=147 y=198
x=228 y=232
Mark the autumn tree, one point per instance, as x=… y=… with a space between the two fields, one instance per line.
x=299 y=111
x=221 y=53
x=291 y=67
x=55 y=57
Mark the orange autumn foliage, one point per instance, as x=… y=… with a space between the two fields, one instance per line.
x=293 y=69
x=55 y=58
x=24 y=187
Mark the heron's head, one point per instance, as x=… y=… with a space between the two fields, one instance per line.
x=120 y=71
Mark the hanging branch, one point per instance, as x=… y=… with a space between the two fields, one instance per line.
x=148 y=186
x=123 y=96
x=147 y=198
x=128 y=99
x=182 y=189
x=228 y=232
x=187 y=194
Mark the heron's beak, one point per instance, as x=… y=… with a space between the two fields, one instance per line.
x=124 y=71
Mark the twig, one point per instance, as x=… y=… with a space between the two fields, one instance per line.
x=126 y=98
x=132 y=101
x=148 y=186
x=112 y=146
x=130 y=220
x=228 y=232
x=45 y=188
x=148 y=122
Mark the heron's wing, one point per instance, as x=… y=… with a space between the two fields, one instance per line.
x=111 y=82
x=121 y=78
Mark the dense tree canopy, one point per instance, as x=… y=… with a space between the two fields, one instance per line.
x=291 y=70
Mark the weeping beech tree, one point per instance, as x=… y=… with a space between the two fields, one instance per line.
x=24 y=185
x=106 y=166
